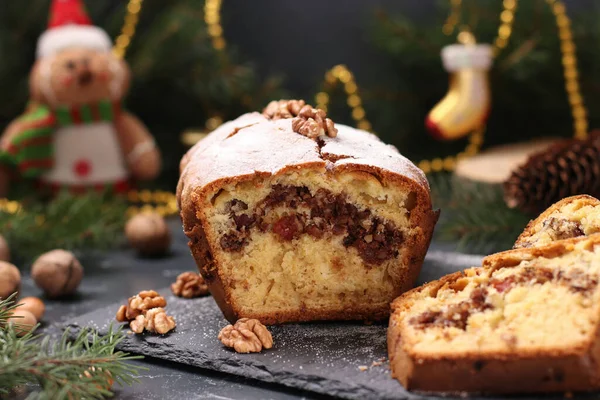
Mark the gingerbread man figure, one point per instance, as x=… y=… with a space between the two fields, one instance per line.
x=74 y=133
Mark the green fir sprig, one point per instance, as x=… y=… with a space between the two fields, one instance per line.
x=73 y=222
x=84 y=368
x=474 y=215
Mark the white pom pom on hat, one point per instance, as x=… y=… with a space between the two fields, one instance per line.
x=70 y=26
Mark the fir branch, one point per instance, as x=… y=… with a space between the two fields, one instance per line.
x=72 y=222
x=474 y=215
x=7 y=307
x=84 y=368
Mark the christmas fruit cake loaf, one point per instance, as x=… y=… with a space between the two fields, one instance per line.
x=571 y=217
x=528 y=320
x=293 y=218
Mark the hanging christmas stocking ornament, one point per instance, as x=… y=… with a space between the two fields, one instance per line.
x=467 y=104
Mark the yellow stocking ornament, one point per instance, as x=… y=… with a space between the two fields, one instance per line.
x=467 y=104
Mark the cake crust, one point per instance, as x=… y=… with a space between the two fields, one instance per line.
x=525 y=239
x=253 y=147
x=566 y=369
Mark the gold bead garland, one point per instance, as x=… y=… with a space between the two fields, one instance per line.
x=449 y=163
x=571 y=74
x=569 y=62
x=10 y=206
x=475 y=141
x=212 y=18
x=341 y=73
x=165 y=203
x=131 y=19
x=161 y=202
x=453 y=17
x=507 y=17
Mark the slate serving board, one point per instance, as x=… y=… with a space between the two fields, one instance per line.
x=319 y=357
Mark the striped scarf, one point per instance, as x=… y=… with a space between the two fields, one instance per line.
x=30 y=150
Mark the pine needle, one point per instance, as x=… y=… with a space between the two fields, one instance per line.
x=474 y=215
x=83 y=368
x=73 y=222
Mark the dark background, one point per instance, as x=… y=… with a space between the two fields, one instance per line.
x=302 y=39
x=179 y=81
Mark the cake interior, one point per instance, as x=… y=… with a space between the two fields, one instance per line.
x=310 y=240
x=539 y=305
x=575 y=219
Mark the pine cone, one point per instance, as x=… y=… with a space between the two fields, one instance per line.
x=566 y=168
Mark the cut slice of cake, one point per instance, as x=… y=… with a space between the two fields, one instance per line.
x=571 y=217
x=528 y=320
x=288 y=226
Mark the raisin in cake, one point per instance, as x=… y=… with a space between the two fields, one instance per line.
x=527 y=321
x=571 y=217
x=288 y=226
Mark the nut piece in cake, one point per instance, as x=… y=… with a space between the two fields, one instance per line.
x=526 y=321
x=246 y=336
x=569 y=218
x=286 y=227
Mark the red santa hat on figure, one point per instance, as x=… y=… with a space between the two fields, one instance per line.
x=70 y=26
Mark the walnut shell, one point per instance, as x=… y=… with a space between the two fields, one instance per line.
x=149 y=234
x=57 y=272
x=34 y=305
x=24 y=321
x=4 y=250
x=10 y=279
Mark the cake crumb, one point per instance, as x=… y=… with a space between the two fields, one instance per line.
x=376 y=363
x=363 y=368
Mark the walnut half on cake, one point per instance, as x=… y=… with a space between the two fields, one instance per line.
x=293 y=218
x=528 y=320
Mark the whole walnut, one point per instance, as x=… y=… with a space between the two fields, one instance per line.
x=34 y=305
x=57 y=272
x=4 y=249
x=149 y=234
x=10 y=279
x=23 y=321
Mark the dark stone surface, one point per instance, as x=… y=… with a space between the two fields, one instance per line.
x=119 y=274
x=310 y=359
x=323 y=358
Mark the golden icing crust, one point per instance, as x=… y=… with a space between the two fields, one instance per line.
x=254 y=145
